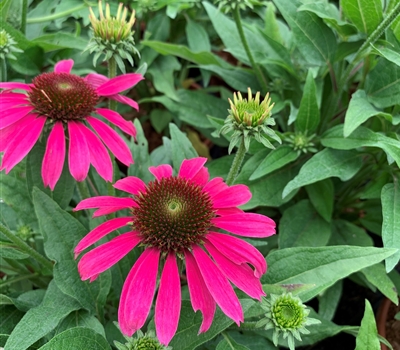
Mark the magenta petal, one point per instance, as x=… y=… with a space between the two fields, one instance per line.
x=190 y=167
x=95 y=79
x=219 y=286
x=12 y=115
x=105 y=201
x=103 y=257
x=201 y=178
x=126 y=100
x=78 y=154
x=64 y=66
x=131 y=184
x=117 y=120
x=107 y=210
x=22 y=143
x=215 y=185
x=228 y=211
x=112 y=140
x=11 y=132
x=100 y=231
x=161 y=171
x=246 y=224
x=238 y=251
x=14 y=85
x=54 y=156
x=12 y=97
x=99 y=156
x=232 y=196
x=168 y=304
x=199 y=294
x=242 y=276
x=119 y=84
x=138 y=292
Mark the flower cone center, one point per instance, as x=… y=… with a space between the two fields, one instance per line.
x=62 y=96
x=173 y=214
x=288 y=315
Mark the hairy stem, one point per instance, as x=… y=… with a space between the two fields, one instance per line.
x=236 y=164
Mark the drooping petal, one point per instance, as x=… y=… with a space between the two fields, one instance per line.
x=9 y=133
x=95 y=79
x=131 y=184
x=126 y=100
x=168 y=304
x=112 y=140
x=219 y=286
x=138 y=292
x=242 y=276
x=107 y=210
x=246 y=224
x=54 y=156
x=99 y=156
x=103 y=257
x=105 y=201
x=64 y=66
x=11 y=105
x=101 y=231
x=12 y=115
x=14 y=85
x=215 y=185
x=232 y=196
x=238 y=251
x=200 y=296
x=190 y=167
x=12 y=97
x=201 y=178
x=22 y=143
x=117 y=120
x=119 y=84
x=160 y=171
x=228 y=211
x=78 y=153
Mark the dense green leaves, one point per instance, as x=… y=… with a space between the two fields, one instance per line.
x=365 y=14
x=181 y=147
x=321 y=195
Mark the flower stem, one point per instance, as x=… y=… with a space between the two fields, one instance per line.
x=24 y=15
x=83 y=189
x=259 y=74
x=112 y=73
x=3 y=70
x=236 y=164
x=56 y=15
x=26 y=248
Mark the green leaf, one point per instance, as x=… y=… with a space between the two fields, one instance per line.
x=228 y=343
x=376 y=275
x=322 y=266
x=77 y=338
x=365 y=14
x=181 y=147
x=346 y=233
x=197 y=37
x=187 y=337
x=367 y=337
x=382 y=84
x=61 y=233
x=80 y=318
x=65 y=186
x=10 y=316
x=391 y=221
x=41 y=320
x=8 y=251
x=359 y=111
x=389 y=54
x=267 y=190
x=374 y=188
x=140 y=153
x=325 y=164
x=328 y=301
x=275 y=160
x=313 y=38
x=301 y=225
x=4 y=7
x=321 y=195
x=160 y=118
x=307 y=119
x=60 y=40
x=361 y=137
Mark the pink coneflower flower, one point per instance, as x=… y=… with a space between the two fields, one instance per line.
x=63 y=102
x=177 y=217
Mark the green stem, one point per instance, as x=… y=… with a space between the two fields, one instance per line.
x=386 y=23
x=3 y=71
x=83 y=190
x=112 y=73
x=23 y=15
x=259 y=74
x=26 y=248
x=236 y=164
x=56 y=15
x=17 y=279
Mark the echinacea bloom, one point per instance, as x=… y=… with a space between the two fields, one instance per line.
x=63 y=102
x=178 y=217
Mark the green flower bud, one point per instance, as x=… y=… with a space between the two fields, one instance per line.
x=301 y=143
x=250 y=118
x=7 y=46
x=112 y=36
x=286 y=314
x=142 y=341
x=230 y=5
